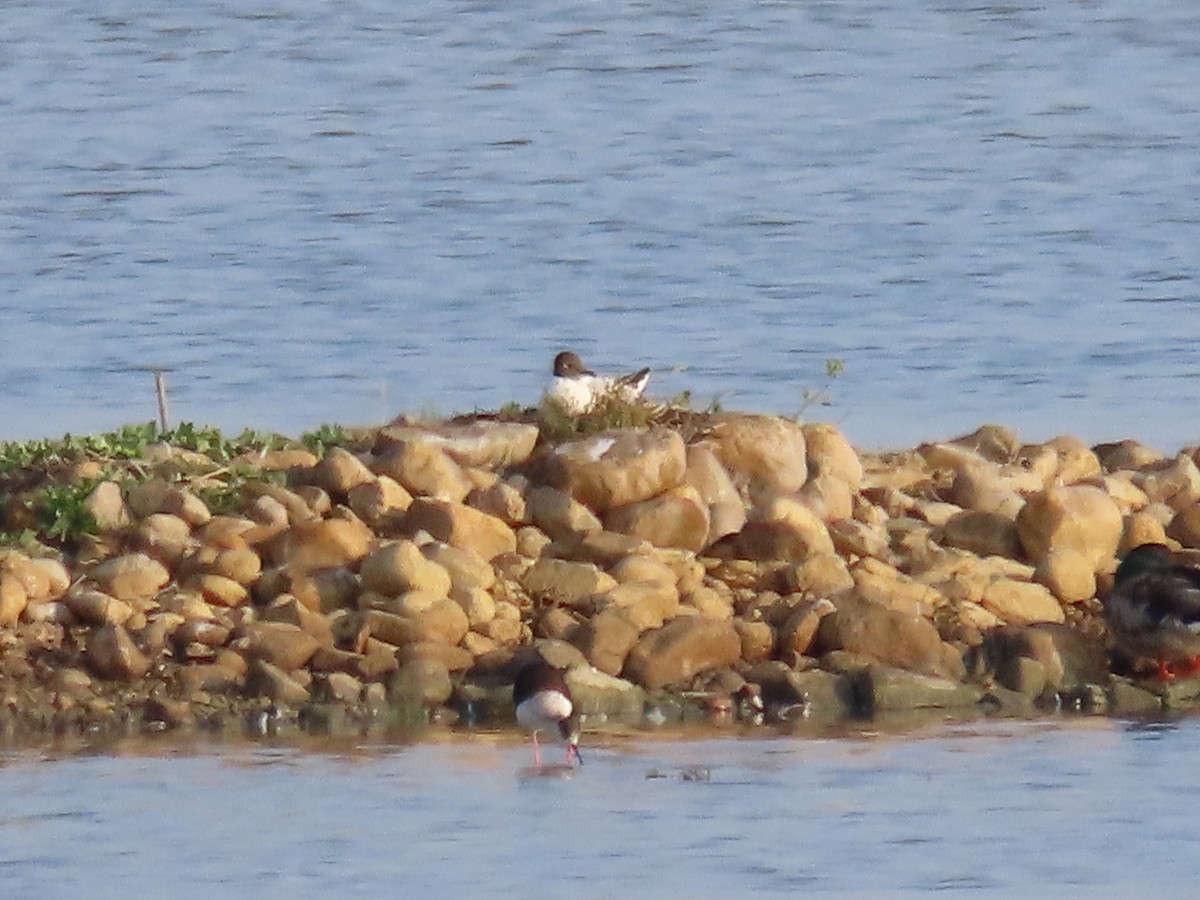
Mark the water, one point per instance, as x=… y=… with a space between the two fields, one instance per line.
x=313 y=213
x=1097 y=808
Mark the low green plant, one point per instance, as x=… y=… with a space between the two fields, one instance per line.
x=821 y=396
x=610 y=412
x=324 y=437
x=61 y=511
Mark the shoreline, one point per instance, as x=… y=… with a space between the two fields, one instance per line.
x=379 y=582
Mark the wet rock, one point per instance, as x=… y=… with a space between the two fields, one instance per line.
x=680 y=650
x=112 y=654
x=460 y=526
x=424 y=470
x=561 y=581
x=1129 y=699
x=983 y=533
x=1082 y=518
x=484 y=444
x=133 y=576
x=898 y=639
x=286 y=646
x=337 y=687
x=559 y=514
x=1065 y=658
x=607 y=471
x=877 y=689
x=264 y=679
x=677 y=518
x=425 y=681
x=765 y=453
x=601 y=696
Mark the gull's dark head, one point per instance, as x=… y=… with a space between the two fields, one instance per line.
x=568 y=364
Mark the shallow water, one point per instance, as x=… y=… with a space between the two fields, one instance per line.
x=1090 y=807
x=988 y=211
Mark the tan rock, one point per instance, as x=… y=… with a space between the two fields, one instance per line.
x=604 y=548
x=852 y=538
x=680 y=650
x=981 y=488
x=34 y=579
x=820 y=575
x=325 y=544
x=283 y=645
x=561 y=581
x=996 y=443
x=454 y=659
x=466 y=568
x=1119 y=485
x=645 y=604
x=58 y=579
x=1073 y=460
x=556 y=623
x=219 y=590
x=399 y=566
x=766 y=453
x=179 y=501
x=606 y=639
x=611 y=470
x=799 y=629
x=378 y=501
x=424 y=470
x=107 y=506
x=133 y=576
x=709 y=602
x=12 y=599
x=1127 y=454
x=532 y=542
x=1021 y=602
x=829 y=453
x=242 y=565
x=559 y=514
x=477 y=603
x=1141 y=528
x=461 y=526
x=1080 y=517
x=1067 y=574
x=147 y=497
x=112 y=654
x=706 y=474
x=264 y=679
x=757 y=638
x=1175 y=482
x=639 y=567
x=1185 y=526
x=677 y=518
x=884 y=585
x=906 y=641
x=340 y=471
x=501 y=500
x=830 y=498
x=231 y=532
x=483 y=444
x=391 y=628
x=983 y=533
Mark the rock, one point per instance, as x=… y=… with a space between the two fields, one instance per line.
x=467 y=569
x=424 y=470
x=898 y=639
x=829 y=453
x=501 y=500
x=1073 y=460
x=829 y=498
x=107 y=506
x=532 y=542
x=241 y=564
x=218 y=590
x=461 y=526
x=1065 y=658
x=706 y=475
x=677 y=518
x=455 y=659
x=877 y=689
x=811 y=531
x=764 y=452
x=559 y=514
x=997 y=443
x=886 y=586
x=820 y=575
x=852 y=538
x=324 y=544
x=607 y=471
x=134 y=576
x=1067 y=574
x=980 y=488
x=286 y=646
x=340 y=472
x=43 y=578
x=96 y=607
x=446 y=620
x=606 y=639
x=1185 y=526
x=645 y=604
x=425 y=681
x=680 y=650
x=983 y=533
x=598 y=695
x=483 y=444
x=12 y=600
x=1021 y=602
x=638 y=567
x=379 y=500
x=708 y=602
x=758 y=640
x=798 y=630
x=112 y=654
x=560 y=581
x=1175 y=482
x=1081 y=518
x=388 y=627
x=264 y=679
x=1126 y=454
x=1141 y=528
x=601 y=547
x=396 y=567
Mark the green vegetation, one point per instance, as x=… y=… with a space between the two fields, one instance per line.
x=610 y=412
x=821 y=396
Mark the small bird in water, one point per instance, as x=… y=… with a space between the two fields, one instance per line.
x=1153 y=610
x=544 y=704
x=577 y=389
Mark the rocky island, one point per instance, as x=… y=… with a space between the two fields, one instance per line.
x=361 y=580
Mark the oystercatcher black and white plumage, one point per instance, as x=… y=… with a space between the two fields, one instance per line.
x=576 y=389
x=544 y=706
x=1153 y=610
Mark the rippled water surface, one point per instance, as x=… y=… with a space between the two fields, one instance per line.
x=1094 y=808
x=333 y=213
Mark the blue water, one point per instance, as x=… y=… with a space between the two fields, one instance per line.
x=314 y=213
x=1093 y=808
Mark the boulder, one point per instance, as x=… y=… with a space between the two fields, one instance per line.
x=379 y=500
x=829 y=453
x=766 y=453
x=820 y=575
x=677 y=518
x=982 y=533
x=13 y=599
x=283 y=645
x=112 y=654
x=645 y=604
x=340 y=471
x=396 y=567
x=1079 y=517
x=1175 y=482
x=1067 y=574
x=422 y=680
x=897 y=639
x=611 y=470
x=558 y=513
x=1021 y=602
x=482 y=444
x=704 y=473
x=606 y=639
x=453 y=523
x=680 y=650
x=501 y=500
x=424 y=470
x=134 y=576
x=561 y=581
x=324 y=544
x=107 y=506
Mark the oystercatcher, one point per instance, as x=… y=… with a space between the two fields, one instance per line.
x=544 y=704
